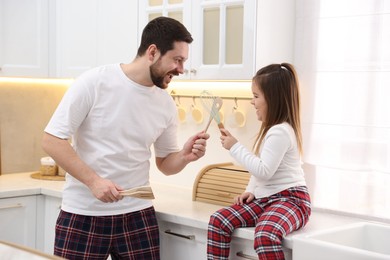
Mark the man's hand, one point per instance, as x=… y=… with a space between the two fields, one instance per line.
x=195 y=147
x=105 y=190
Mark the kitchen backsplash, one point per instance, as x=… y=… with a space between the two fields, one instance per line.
x=26 y=105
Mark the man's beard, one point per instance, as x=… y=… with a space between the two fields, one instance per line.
x=157 y=77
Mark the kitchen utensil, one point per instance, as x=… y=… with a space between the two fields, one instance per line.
x=237 y=118
x=181 y=111
x=142 y=192
x=196 y=112
x=212 y=105
x=221 y=116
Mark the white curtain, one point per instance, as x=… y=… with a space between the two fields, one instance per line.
x=342 y=55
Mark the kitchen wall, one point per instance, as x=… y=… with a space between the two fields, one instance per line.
x=25 y=108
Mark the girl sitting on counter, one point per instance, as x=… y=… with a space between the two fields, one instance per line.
x=276 y=200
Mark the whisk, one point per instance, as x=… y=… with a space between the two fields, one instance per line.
x=212 y=104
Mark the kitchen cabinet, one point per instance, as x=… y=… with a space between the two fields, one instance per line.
x=18 y=220
x=52 y=209
x=223 y=31
x=243 y=249
x=90 y=33
x=178 y=242
x=63 y=38
x=24 y=38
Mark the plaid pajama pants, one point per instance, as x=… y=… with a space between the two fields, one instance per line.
x=273 y=218
x=133 y=235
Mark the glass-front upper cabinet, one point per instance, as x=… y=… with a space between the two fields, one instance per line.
x=223 y=31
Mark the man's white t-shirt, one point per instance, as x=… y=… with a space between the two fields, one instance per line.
x=113 y=123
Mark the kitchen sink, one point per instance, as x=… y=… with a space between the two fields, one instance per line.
x=358 y=241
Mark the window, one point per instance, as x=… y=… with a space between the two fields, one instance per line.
x=343 y=60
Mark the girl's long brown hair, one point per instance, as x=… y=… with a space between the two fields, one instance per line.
x=279 y=84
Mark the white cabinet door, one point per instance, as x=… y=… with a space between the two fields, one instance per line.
x=52 y=209
x=90 y=33
x=223 y=31
x=24 y=42
x=178 y=242
x=275 y=32
x=18 y=220
x=75 y=37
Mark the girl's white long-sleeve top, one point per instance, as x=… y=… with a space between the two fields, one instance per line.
x=277 y=167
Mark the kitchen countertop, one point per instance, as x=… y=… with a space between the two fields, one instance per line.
x=13 y=251
x=172 y=204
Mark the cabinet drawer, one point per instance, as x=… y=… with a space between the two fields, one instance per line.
x=242 y=249
x=18 y=220
x=180 y=242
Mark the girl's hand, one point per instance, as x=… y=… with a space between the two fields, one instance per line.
x=227 y=139
x=245 y=197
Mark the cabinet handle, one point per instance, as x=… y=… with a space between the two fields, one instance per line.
x=193 y=71
x=18 y=205
x=189 y=237
x=242 y=255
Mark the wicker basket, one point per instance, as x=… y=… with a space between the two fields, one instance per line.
x=220 y=183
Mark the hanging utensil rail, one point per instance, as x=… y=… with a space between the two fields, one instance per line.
x=174 y=95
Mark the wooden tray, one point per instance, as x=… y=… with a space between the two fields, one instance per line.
x=39 y=176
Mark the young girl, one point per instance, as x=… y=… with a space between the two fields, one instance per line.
x=276 y=201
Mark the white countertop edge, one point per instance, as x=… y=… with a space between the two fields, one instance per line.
x=51 y=192
x=19 y=193
x=164 y=216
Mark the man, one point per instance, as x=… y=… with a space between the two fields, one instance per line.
x=114 y=114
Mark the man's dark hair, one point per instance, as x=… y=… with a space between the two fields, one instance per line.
x=163 y=32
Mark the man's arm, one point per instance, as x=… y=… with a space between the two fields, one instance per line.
x=66 y=157
x=193 y=149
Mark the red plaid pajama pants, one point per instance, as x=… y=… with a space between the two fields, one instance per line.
x=133 y=236
x=273 y=218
